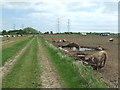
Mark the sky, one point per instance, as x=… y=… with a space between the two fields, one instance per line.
x=87 y=16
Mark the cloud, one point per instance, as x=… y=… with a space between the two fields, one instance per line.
x=39 y=15
x=82 y=14
x=18 y=18
x=18 y=5
x=50 y=6
x=0 y=18
x=88 y=4
x=108 y=7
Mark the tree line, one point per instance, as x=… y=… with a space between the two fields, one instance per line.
x=27 y=30
x=84 y=33
x=30 y=30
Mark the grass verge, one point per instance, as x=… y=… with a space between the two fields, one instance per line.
x=13 y=41
x=25 y=72
x=11 y=51
x=73 y=75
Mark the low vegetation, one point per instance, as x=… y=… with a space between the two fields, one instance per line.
x=11 y=51
x=25 y=73
x=8 y=42
x=72 y=74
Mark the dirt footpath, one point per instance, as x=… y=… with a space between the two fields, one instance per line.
x=49 y=77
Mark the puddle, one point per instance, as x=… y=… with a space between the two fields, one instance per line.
x=86 y=49
x=74 y=48
x=83 y=49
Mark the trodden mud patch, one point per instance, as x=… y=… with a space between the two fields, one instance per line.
x=49 y=78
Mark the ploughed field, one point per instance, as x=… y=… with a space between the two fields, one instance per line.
x=109 y=73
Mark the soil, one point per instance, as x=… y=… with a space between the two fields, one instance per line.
x=109 y=73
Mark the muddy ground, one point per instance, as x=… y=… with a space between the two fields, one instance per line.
x=109 y=73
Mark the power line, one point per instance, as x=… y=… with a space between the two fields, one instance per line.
x=58 y=25
x=14 y=26
x=68 y=25
x=22 y=26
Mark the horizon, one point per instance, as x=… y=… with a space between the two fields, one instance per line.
x=69 y=32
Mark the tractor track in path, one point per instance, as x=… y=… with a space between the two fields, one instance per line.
x=49 y=78
x=2 y=44
x=10 y=63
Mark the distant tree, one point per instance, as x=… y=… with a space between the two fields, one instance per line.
x=40 y=32
x=46 y=32
x=51 y=32
x=12 y=32
x=70 y=32
x=66 y=33
x=4 y=32
x=89 y=33
x=0 y=32
x=30 y=30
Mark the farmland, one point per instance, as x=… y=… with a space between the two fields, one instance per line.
x=34 y=62
x=71 y=44
x=109 y=73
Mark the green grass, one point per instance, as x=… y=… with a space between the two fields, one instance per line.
x=73 y=75
x=11 y=51
x=26 y=71
x=14 y=41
